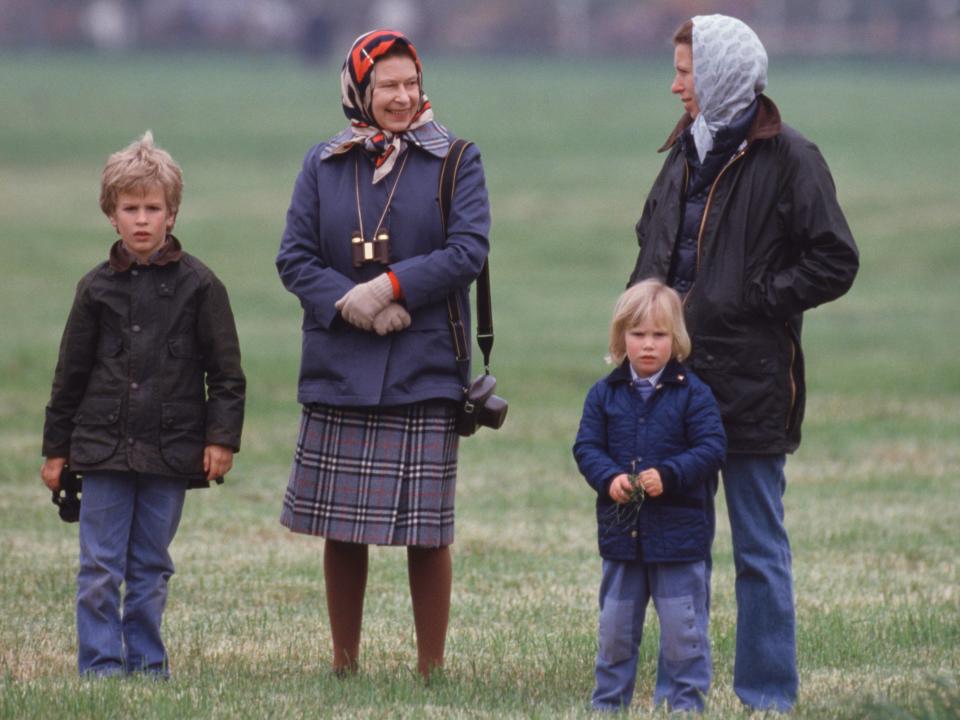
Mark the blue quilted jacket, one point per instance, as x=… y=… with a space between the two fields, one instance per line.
x=678 y=430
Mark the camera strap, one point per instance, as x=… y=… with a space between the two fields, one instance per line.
x=461 y=344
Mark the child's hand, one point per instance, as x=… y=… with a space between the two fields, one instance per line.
x=620 y=489
x=650 y=481
x=217 y=461
x=50 y=472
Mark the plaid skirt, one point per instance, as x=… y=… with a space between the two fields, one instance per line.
x=381 y=476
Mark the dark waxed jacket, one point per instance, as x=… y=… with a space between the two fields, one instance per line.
x=678 y=431
x=149 y=369
x=773 y=243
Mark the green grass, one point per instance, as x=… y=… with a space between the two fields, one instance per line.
x=569 y=149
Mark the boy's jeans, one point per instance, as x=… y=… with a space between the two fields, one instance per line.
x=765 y=667
x=127 y=522
x=679 y=592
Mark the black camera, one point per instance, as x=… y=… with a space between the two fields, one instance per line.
x=481 y=407
x=67 y=498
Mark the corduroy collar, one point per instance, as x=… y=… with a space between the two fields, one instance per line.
x=673 y=373
x=766 y=124
x=122 y=259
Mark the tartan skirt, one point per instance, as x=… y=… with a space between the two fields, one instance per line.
x=380 y=476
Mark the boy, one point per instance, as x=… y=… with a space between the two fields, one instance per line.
x=147 y=401
x=650 y=439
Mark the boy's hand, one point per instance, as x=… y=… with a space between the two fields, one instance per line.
x=217 y=461
x=650 y=481
x=620 y=489
x=50 y=472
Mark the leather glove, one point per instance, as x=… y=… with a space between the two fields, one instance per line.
x=393 y=318
x=363 y=302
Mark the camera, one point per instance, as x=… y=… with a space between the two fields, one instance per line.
x=481 y=407
x=67 y=498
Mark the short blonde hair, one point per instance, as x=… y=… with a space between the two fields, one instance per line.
x=140 y=167
x=652 y=301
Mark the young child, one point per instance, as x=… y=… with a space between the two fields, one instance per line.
x=147 y=401
x=650 y=443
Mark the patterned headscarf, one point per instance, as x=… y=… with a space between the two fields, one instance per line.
x=729 y=71
x=356 y=93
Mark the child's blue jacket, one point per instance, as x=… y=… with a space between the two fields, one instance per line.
x=679 y=432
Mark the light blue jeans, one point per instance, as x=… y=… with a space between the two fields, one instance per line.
x=127 y=522
x=765 y=666
x=679 y=592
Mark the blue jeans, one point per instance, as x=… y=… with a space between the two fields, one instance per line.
x=679 y=592
x=127 y=522
x=765 y=666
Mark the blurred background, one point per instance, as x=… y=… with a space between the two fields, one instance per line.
x=928 y=29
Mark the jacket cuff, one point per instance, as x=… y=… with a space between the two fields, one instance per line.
x=671 y=483
x=397 y=290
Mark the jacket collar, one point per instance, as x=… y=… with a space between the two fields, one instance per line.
x=673 y=374
x=766 y=124
x=122 y=259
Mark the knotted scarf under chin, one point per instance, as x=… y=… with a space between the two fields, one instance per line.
x=729 y=71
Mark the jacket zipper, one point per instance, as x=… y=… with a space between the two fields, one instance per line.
x=793 y=383
x=706 y=211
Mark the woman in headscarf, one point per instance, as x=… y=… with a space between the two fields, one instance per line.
x=365 y=253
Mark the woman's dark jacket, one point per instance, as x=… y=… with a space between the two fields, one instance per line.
x=149 y=369
x=343 y=365
x=773 y=242
x=678 y=431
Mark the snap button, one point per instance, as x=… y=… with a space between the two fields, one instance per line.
x=134 y=272
x=129 y=441
x=633 y=534
x=136 y=328
x=134 y=385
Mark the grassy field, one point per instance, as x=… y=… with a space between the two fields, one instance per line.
x=569 y=149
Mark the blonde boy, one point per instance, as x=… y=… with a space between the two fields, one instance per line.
x=147 y=401
x=650 y=442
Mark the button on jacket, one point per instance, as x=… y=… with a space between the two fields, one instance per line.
x=773 y=242
x=149 y=369
x=678 y=431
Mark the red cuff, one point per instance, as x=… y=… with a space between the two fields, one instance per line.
x=397 y=290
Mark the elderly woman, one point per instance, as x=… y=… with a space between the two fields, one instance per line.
x=365 y=252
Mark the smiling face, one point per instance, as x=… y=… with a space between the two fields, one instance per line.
x=649 y=346
x=142 y=220
x=683 y=79
x=396 y=93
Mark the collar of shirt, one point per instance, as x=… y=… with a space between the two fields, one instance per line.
x=653 y=379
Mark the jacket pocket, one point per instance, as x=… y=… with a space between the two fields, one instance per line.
x=748 y=381
x=183 y=347
x=182 y=436
x=96 y=431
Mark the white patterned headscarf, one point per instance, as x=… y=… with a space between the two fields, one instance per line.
x=729 y=71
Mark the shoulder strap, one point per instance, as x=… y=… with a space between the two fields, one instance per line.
x=448 y=183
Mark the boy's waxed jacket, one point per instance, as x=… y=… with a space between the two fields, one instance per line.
x=773 y=243
x=679 y=432
x=149 y=369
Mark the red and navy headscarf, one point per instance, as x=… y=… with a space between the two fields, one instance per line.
x=356 y=94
